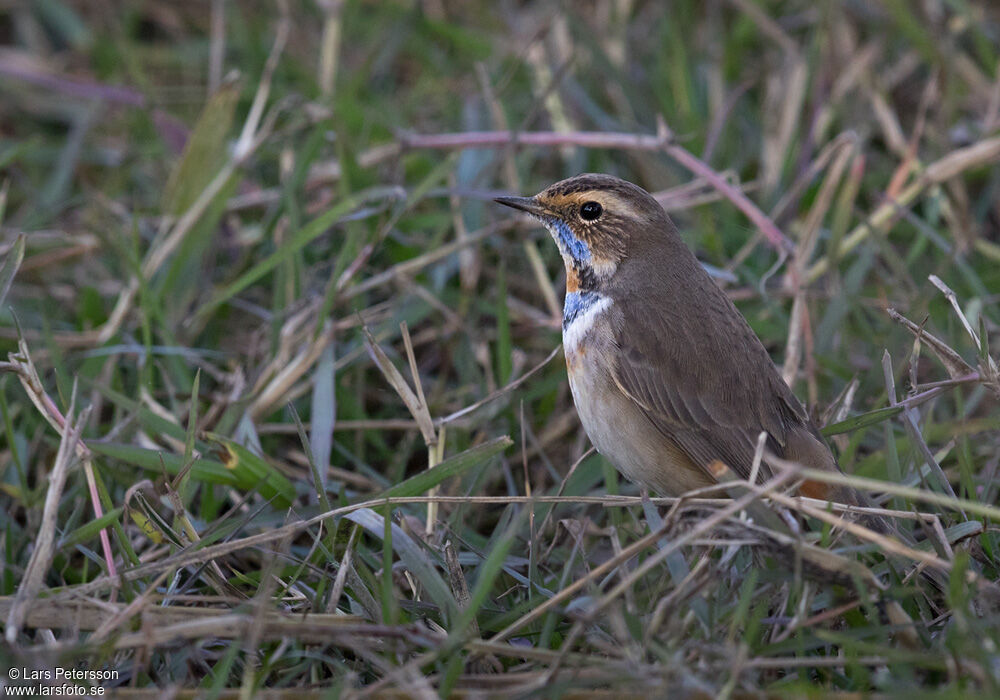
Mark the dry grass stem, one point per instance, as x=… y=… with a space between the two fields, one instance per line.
x=325 y=446
x=41 y=557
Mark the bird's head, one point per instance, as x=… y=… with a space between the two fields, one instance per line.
x=596 y=220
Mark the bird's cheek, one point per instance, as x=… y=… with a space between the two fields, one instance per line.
x=604 y=266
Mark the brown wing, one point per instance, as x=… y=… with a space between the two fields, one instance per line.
x=706 y=383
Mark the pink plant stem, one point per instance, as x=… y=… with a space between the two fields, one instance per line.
x=174 y=131
x=95 y=499
x=762 y=221
x=613 y=140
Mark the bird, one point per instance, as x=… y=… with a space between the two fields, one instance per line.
x=669 y=380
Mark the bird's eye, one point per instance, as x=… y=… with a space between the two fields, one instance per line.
x=589 y=211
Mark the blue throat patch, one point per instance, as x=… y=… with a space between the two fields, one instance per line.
x=576 y=304
x=569 y=244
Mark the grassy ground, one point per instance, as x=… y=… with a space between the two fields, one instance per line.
x=265 y=320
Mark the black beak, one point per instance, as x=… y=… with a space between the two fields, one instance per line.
x=528 y=204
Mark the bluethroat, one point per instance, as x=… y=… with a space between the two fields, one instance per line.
x=668 y=377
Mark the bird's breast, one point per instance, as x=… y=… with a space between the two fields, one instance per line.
x=586 y=339
x=584 y=313
x=587 y=345
x=613 y=421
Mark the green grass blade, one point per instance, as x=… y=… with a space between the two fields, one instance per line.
x=90 y=530
x=206 y=470
x=204 y=153
x=293 y=244
x=862 y=421
x=254 y=472
x=453 y=466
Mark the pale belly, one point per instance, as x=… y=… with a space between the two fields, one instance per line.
x=617 y=427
